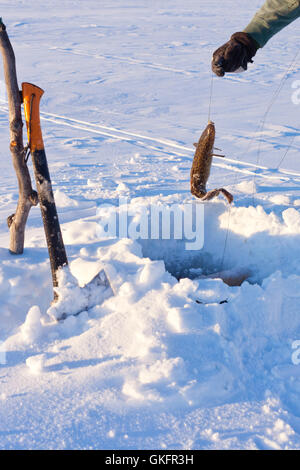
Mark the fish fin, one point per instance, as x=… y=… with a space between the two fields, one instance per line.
x=210 y=195
x=227 y=194
x=215 y=192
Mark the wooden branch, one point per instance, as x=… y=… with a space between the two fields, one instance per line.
x=27 y=197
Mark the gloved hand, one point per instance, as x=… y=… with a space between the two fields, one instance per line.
x=235 y=53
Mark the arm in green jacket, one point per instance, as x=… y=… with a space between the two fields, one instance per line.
x=271 y=18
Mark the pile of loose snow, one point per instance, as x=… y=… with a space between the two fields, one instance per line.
x=155 y=341
x=170 y=342
x=235 y=237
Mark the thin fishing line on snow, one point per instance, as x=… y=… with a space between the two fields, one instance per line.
x=210 y=96
x=259 y=130
x=286 y=152
x=263 y=121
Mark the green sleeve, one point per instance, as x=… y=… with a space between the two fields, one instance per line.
x=271 y=18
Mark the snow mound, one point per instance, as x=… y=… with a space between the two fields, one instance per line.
x=235 y=238
x=168 y=342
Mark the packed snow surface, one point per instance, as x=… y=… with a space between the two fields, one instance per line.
x=170 y=356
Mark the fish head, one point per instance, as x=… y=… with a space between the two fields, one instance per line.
x=210 y=128
x=209 y=134
x=207 y=137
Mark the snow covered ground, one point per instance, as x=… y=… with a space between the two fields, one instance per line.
x=161 y=364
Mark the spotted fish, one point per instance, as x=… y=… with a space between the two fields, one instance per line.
x=201 y=166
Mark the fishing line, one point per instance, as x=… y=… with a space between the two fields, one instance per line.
x=263 y=121
x=229 y=208
x=260 y=130
x=210 y=96
x=286 y=152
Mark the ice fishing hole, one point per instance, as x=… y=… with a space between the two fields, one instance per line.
x=182 y=263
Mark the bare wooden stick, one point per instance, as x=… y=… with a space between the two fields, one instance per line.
x=27 y=196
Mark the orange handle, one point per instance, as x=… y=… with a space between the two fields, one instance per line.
x=31 y=97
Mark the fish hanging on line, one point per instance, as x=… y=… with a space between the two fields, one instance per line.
x=200 y=170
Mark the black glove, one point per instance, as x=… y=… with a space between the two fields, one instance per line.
x=235 y=53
